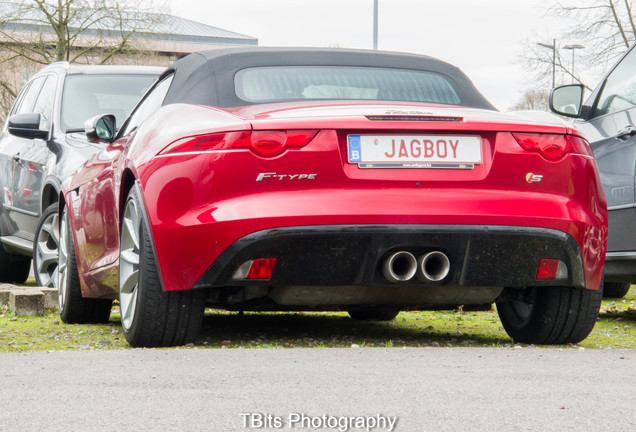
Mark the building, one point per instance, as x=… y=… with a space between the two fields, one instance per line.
x=95 y=36
x=173 y=37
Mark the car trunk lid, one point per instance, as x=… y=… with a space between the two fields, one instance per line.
x=404 y=142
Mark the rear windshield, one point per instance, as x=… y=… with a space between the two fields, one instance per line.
x=293 y=83
x=88 y=95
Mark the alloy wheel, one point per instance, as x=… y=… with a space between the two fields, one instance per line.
x=519 y=311
x=129 y=263
x=46 y=251
x=62 y=268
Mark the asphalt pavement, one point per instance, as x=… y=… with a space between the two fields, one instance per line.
x=338 y=389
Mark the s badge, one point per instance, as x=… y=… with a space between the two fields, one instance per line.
x=533 y=178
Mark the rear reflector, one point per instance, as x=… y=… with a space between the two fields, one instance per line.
x=263 y=143
x=550 y=268
x=552 y=146
x=258 y=269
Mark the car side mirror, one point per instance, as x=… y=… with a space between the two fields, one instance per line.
x=567 y=100
x=100 y=128
x=26 y=125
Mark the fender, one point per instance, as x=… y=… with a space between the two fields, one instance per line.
x=50 y=192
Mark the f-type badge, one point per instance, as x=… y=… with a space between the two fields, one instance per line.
x=533 y=178
x=263 y=176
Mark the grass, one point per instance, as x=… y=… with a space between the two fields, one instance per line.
x=616 y=328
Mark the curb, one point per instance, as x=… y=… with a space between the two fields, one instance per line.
x=28 y=301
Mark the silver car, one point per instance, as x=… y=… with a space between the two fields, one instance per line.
x=42 y=143
x=608 y=119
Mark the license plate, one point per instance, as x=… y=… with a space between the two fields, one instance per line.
x=414 y=151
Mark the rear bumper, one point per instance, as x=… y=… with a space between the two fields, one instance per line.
x=193 y=240
x=352 y=255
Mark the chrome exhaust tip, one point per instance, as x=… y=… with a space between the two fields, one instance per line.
x=433 y=267
x=399 y=267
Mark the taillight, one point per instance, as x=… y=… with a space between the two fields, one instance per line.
x=268 y=143
x=552 y=146
x=263 y=143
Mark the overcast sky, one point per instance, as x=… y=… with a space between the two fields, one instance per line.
x=485 y=38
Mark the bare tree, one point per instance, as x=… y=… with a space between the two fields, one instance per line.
x=606 y=28
x=38 y=32
x=532 y=100
x=52 y=30
x=543 y=61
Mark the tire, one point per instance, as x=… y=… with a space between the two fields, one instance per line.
x=615 y=289
x=150 y=316
x=13 y=268
x=45 y=248
x=550 y=315
x=72 y=306
x=374 y=314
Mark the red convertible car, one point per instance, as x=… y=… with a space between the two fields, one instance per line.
x=315 y=179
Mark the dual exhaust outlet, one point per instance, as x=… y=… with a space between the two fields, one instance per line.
x=403 y=266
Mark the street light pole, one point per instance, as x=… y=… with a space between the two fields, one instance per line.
x=573 y=48
x=553 y=48
x=375 y=24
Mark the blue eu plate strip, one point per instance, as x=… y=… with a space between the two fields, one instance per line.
x=355 y=149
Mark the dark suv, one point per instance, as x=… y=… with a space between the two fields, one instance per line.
x=42 y=143
x=608 y=119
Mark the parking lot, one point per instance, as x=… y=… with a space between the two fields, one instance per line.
x=471 y=389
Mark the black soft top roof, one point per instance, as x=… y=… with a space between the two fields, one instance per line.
x=207 y=77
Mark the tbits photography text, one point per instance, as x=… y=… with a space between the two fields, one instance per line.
x=325 y=422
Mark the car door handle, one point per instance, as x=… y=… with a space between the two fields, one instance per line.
x=626 y=133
